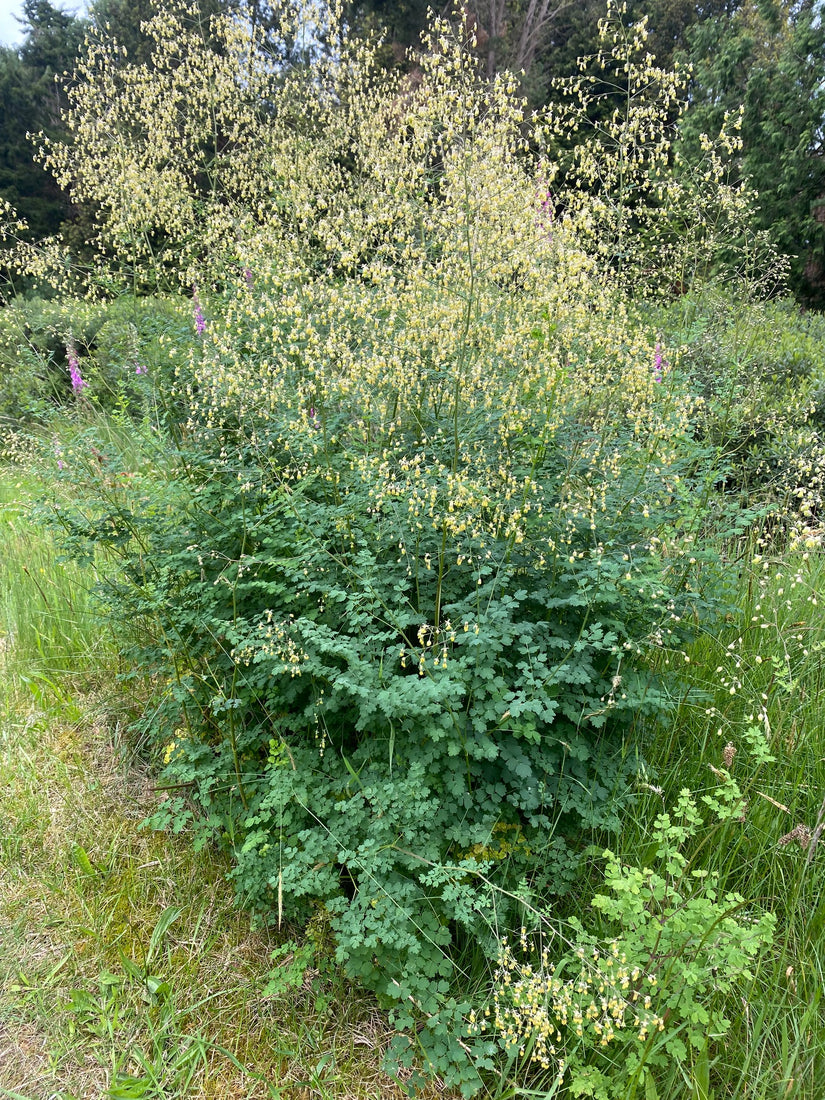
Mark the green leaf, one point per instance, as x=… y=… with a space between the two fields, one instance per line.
x=164 y=923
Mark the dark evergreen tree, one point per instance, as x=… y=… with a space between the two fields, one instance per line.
x=669 y=22
x=31 y=99
x=540 y=39
x=53 y=38
x=122 y=19
x=401 y=21
x=769 y=57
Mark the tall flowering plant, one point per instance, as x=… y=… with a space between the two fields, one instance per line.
x=78 y=383
x=413 y=574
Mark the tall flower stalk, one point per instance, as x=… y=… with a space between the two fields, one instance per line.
x=78 y=383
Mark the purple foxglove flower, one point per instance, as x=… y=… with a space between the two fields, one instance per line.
x=200 y=320
x=658 y=364
x=74 y=371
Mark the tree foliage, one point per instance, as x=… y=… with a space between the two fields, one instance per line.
x=767 y=57
x=125 y=21
x=32 y=100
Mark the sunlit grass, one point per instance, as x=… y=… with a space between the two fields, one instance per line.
x=765 y=670
x=89 y=1000
x=48 y=624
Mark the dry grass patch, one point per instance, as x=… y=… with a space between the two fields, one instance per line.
x=126 y=967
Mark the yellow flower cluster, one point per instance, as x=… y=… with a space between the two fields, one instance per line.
x=506 y=838
x=620 y=188
x=431 y=318
x=273 y=640
x=172 y=152
x=173 y=748
x=538 y=1010
x=397 y=280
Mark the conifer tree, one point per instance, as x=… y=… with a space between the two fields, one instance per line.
x=767 y=57
x=31 y=100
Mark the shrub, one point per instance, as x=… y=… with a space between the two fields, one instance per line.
x=758 y=368
x=399 y=678
x=435 y=509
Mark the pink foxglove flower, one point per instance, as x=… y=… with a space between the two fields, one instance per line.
x=200 y=320
x=74 y=371
x=659 y=365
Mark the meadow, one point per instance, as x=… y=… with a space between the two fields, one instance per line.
x=412 y=555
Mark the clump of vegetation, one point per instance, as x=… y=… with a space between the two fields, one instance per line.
x=616 y=1010
x=404 y=516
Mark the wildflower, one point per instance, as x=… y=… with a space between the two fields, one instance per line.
x=200 y=320
x=74 y=371
x=658 y=364
x=139 y=369
x=544 y=218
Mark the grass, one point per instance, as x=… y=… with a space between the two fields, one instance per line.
x=48 y=627
x=126 y=968
x=765 y=674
